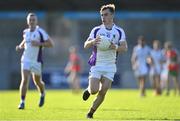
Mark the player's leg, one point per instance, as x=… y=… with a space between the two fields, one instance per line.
x=168 y=85
x=93 y=88
x=163 y=79
x=176 y=84
x=105 y=85
x=39 y=83
x=25 y=73
x=158 y=88
x=142 y=73
x=75 y=81
x=40 y=86
x=142 y=85
x=37 y=78
x=153 y=80
x=70 y=80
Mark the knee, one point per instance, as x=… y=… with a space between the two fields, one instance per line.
x=103 y=92
x=39 y=83
x=24 y=82
x=35 y=83
x=93 y=91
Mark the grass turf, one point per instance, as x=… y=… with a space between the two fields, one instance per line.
x=64 y=106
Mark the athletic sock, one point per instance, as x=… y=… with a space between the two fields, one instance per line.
x=92 y=111
x=42 y=94
x=22 y=99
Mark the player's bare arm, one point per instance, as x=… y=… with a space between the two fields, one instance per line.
x=121 y=48
x=48 y=43
x=91 y=42
x=133 y=60
x=20 y=46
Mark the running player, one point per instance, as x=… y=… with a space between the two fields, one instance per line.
x=139 y=63
x=34 y=39
x=172 y=65
x=103 y=63
x=156 y=66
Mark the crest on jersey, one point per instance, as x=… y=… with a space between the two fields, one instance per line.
x=114 y=36
x=108 y=34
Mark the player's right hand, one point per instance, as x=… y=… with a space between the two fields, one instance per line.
x=96 y=40
x=135 y=66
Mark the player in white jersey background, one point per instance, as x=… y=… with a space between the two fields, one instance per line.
x=103 y=63
x=139 y=63
x=156 y=67
x=34 y=39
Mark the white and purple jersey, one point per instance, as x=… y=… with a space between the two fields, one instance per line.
x=33 y=53
x=103 y=58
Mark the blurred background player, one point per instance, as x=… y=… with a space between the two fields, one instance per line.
x=73 y=69
x=155 y=61
x=172 y=64
x=103 y=62
x=139 y=63
x=34 y=39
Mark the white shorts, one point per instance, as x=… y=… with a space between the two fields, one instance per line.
x=33 y=67
x=105 y=71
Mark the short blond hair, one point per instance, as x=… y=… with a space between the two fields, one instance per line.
x=111 y=8
x=31 y=14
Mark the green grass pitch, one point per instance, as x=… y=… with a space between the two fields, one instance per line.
x=62 y=105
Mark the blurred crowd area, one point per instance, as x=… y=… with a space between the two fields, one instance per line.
x=69 y=28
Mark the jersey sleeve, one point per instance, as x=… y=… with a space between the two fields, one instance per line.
x=123 y=36
x=24 y=33
x=44 y=35
x=93 y=33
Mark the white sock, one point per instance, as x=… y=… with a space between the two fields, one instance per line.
x=22 y=101
x=42 y=94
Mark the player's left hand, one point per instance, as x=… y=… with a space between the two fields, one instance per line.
x=113 y=46
x=35 y=43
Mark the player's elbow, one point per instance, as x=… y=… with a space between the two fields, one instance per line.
x=50 y=43
x=86 y=45
x=125 y=49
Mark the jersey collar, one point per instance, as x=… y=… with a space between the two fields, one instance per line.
x=34 y=29
x=108 y=28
